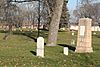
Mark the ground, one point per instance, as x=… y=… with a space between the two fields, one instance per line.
x=19 y=50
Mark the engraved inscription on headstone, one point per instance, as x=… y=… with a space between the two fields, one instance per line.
x=82 y=30
x=40 y=46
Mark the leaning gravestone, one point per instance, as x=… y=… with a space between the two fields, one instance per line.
x=40 y=46
x=84 y=36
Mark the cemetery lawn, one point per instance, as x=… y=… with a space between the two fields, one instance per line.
x=19 y=50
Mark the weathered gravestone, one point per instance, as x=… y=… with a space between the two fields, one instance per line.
x=84 y=36
x=66 y=50
x=40 y=46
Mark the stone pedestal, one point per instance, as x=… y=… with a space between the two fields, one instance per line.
x=84 y=36
x=40 y=46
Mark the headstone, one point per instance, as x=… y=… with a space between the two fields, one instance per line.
x=72 y=33
x=94 y=33
x=66 y=50
x=62 y=29
x=84 y=36
x=40 y=46
x=72 y=42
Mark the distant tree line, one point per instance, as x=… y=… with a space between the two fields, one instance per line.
x=90 y=9
x=53 y=13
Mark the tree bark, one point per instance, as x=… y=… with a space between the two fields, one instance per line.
x=54 y=24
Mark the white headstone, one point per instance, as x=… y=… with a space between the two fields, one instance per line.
x=66 y=50
x=40 y=46
x=94 y=33
x=72 y=33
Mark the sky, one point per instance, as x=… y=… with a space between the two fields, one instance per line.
x=72 y=4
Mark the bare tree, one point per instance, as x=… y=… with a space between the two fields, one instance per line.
x=90 y=9
x=10 y=15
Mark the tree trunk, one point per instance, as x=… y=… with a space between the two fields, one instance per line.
x=54 y=24
x=8 y=33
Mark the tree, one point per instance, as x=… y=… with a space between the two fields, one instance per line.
x=9 y=15
x=88 y=8
x=54 y=24
x=48 y=10
x=64 y=20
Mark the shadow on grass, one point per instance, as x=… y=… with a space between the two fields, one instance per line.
x=31 y=35
x=44 y=29
x=69 y=46
x=98 y=36
x=28 y=34
x=35 y=40
x=33 y=52
x=2 y=31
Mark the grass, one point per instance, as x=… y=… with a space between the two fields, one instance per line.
x=19 y=51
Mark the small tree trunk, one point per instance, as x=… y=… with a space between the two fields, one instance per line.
x=8 y=33
x=54 y=24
